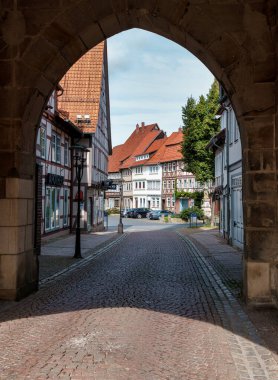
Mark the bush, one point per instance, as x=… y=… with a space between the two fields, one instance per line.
x=175 y=215
x=185 y=214
x=113 y=210
x=166 y=219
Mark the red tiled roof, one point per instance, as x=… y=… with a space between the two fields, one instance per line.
x=82 y=88
x=141 y=149
x=170 y=150
x=113 y=164
x=156 y=145
x=137 y=143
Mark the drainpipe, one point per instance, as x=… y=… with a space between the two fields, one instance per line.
x=228 y=173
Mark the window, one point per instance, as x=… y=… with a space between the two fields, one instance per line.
x=164 y=184
x=174 y=166
x=139 y=170
x=168 y=202
x=66 y=153
x=56 y=147
x=169 y=184
x=43 y=141
x=154 y=169
x=173 y=202
x=236 y=130
x=165 y=167
x=157 y=202
x=52 y=208
x=143 y=157
x=66 y=208
x=230 y=116
x=173 y=184
x=169 y=166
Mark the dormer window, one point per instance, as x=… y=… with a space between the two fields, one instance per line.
x=83 y=119
x=79 y=119
x=142 y=157
x=87 y=119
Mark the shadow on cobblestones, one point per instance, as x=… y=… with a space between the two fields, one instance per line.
x=154 y=271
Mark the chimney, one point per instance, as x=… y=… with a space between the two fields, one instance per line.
x=143 y=124
x=137 y=128
x=180 y=129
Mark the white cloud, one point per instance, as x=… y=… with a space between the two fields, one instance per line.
x=150 y=79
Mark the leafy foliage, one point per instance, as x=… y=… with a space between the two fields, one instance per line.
x=199 y=126
x=196 y=195
x=185 y=214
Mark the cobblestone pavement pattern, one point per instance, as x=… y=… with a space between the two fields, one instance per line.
x=149 y=308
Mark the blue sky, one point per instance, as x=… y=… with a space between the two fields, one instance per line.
x=150 y=79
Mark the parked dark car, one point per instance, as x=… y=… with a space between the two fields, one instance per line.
x=124 y=212
x=129 y=213
x=166 y=212
x=139 y=213
x=154 y=215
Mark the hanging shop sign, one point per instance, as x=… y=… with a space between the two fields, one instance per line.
x=54 y=180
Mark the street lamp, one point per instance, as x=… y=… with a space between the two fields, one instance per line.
x=120 y=225
x=79 y=158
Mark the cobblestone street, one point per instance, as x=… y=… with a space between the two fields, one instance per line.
x=150 y=307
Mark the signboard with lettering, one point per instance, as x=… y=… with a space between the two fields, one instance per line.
x=54 y=180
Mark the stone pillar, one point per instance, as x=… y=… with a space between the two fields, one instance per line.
x=260 y=209
x=18 y=261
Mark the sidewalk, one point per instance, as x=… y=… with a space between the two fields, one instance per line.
x=57 y=253
x=227 y=261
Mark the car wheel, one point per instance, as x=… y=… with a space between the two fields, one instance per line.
x=139 y=216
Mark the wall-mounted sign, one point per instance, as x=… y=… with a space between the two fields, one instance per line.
x=54 y=180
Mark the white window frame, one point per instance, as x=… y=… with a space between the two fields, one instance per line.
x=56 y=147
x=66 y=153
x=66 y=208
x=43 y=140
x=54 y=216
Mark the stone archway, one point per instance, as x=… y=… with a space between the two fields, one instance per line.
x=237 y=41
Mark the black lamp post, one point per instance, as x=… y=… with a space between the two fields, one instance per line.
x=120 y=225
x=79 y=158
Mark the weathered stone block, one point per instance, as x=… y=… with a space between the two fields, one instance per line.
x=110 y=25
x=12 y=240
x=13 y=212
x=91 y=35
x=261 y=136
x=264 y=182
x=261 y=215
x=19 y=188
x=18 y=275
x=29 y=237
x=258 y=281
x=261 y=244
x=30 y=211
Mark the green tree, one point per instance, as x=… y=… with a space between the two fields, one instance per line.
x=199 y=126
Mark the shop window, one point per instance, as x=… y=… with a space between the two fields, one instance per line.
x=52 y=208
x=66 y=207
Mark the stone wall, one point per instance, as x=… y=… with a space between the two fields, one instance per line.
x=237 y=41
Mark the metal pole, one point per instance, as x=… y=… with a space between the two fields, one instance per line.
x=228 y=175
x=120 y=225
x=77 y=253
